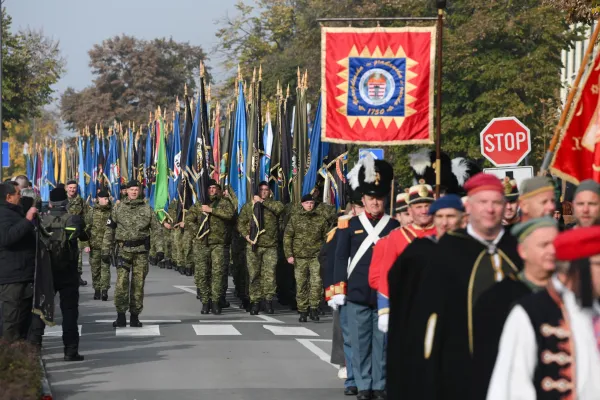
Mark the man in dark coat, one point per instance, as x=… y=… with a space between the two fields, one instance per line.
x=17 y=262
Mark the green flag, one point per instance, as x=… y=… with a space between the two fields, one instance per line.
x=161 y=190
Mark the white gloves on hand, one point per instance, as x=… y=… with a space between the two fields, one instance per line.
x=339 y=299
x=383 y=322
x=331 y=303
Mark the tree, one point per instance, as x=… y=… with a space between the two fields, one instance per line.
x=31 y=64
x=584 y=11
x=501 y=58
x=132 y=77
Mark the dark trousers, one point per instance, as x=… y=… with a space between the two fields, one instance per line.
x=69 y=307
x=16 y=300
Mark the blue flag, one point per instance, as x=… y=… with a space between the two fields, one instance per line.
x=44 y=190
x=175 y=160
x=148 y=161
x=239 y=150
x=50 y=178
x=112 y=164
x=193 y=149
x=81 y=168
x=316 y=158
x=29 y=169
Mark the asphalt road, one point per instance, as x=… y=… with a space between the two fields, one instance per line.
x=181 y=354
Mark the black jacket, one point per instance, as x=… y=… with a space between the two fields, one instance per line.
x=17 y=245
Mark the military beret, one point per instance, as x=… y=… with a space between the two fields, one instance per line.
x=511 y=192
x=133 y=183
x=212 y=182
x=448 y=201
x=481 y=182
x=522 y=230
x=71 y=182
x=589 y=185
x=307 y=197
x=536 y=185
x=421 y=193
x=103 y=193
x=58 y=194
x=577 y=243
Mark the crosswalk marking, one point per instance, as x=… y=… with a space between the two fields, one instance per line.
x=290 y=330
x=144 y=321
x=56 y=330
x=146 y=330
x=216 y=330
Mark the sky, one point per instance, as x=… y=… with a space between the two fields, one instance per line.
x=79 y=24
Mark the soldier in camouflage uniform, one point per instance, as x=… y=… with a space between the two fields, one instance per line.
x=77 y=206
x=209 y=250
x=95 y=221
x=263 y=260
x=304 y=235
x=237 y=257
x=131 y=226
x=176 y=238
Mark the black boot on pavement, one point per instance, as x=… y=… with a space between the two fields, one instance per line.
x=302 y=317
x=378 y=395
x=198 y=294
x=269 y=307
x=254 y=308
x=314 y=314
x=162 y=264
x=105 y=295
x=121 y=321
x=134 y=321
x=96 y=294
x=364 y=395
x=73 y=356
x=216 y=308
x=205 y=309
x=188 y=272
x=81 y=281
x=223 y=303
x=170 y=265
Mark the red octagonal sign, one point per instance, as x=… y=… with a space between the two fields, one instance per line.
x=505 y=141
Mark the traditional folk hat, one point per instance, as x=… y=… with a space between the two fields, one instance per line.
x=589 y=185
x=578 y=243
x=401 y=202
x=481 y=182
x=511 y=191
x=421 y=193
x=536 y=185
x=522 y=230
x=371 y=177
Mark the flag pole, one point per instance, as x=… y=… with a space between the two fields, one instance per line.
x=572 y=92
x=441 y=4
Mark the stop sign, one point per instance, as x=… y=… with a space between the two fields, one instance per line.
x=505 y=141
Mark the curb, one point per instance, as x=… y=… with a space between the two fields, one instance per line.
x=46 y=390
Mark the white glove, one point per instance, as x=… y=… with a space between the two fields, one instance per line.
x=331 y=303
x=339 y=299
x=383 y=322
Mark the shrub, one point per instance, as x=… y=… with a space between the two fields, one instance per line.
x=20 y=371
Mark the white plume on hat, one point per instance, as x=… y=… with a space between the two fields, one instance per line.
x=420 y=160
x=368 y=162
x=460 y=169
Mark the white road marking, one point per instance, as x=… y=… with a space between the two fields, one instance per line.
x=290 y=330
x=187 y=289
x=216 y=330
x=270 y=319
x=56 y=330
x=146 y=330
x=145 y=321
x=316 y=350
x=236 y=321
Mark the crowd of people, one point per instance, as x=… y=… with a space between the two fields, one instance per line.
x=489 y=295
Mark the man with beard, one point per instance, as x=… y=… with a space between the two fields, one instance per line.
x=586 y=204
x=406 y=331
x=537 y=198
x=353 y=257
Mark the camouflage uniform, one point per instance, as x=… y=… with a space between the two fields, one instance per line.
x=209 y=251
x=95 y=221
x=133 y=223
x=304 y=235
x=176 y=235
x=77 y=206
x=326 y=211
x=262 y=262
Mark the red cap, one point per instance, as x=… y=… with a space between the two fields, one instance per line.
x=578 y=243
x=482 y=181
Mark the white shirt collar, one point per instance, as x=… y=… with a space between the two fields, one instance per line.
x=490 y=245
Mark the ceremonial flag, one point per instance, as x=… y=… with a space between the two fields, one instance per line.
x=265 y=160
x=274 y=164
x=577 y=157
x=239 y=150
x=175 y=162
x=377 y=85
x=81 y=168
x=161 y=190
x=130 y=146
x=91 y=168
x=123 y=167
x=112 y=163
x=216 y=143
x=286 y=153
x=44 y=190
x=56 y=169
x=300 y=139
x=51 y=164
x=63 y=164
x=186 y=194
x=148 y=160
x=314 y=156
x=28 y=165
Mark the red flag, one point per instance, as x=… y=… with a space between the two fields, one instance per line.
x=377 y=85
x=577 y=157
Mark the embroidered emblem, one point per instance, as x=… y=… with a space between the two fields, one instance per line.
x=423 y=192
x=556 y=331
x=561 y=358
x=561 y=385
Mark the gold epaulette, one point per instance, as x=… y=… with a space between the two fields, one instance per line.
x=331 y=234
x=344 y=221
x=329 y=292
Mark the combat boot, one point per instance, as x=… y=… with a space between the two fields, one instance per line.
x=105 y=295
x=188 y=272
x=134 y=321
x=176 y=268
x=96 y=294
x=205 y=309
x=182 y=270
x=314 y=314
x=121 y=321
x=152 y=260
x=269 y=307
x=245 y=304
x=81 y=281
x=198 y=294
x=216 y=308
x=254 y=308
x=223 y=303
x=302 y=317
x=170 y=265
x=161 y=264
x=73 y=356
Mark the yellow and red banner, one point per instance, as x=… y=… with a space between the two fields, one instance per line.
x=577 y=156
x=377 y=85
